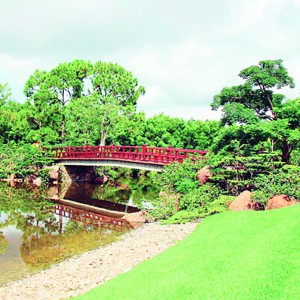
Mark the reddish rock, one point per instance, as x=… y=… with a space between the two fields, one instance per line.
x=203 y=175
x=135 y=219
x=280 y=201
x=242 y=202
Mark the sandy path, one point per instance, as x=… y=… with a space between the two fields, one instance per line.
x=80 y=274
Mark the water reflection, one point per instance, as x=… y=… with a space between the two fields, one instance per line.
x=88 y=195
x=36 y=233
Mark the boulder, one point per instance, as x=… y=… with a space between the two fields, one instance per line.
x=53 y=192
x=53 y=172
x=203 y=175
x=280 y=201
x=135 y=219
x=242 y=202
x=37 y=181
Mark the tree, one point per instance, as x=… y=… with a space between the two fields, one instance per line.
x=254 y=102
x=5 y=94
x=106 y=93
x=49 y=92
x=117 y=91
x=13 y=125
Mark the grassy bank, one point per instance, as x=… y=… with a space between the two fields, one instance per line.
x=233 y=255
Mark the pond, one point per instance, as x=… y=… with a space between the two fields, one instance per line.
x=36 y=232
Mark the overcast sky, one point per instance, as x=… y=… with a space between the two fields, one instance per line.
x=182 y=52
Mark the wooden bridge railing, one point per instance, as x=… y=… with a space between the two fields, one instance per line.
x=142 y=154
x=90 y=218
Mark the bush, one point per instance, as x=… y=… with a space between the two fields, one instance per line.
x=181 y=177
x=22 y=160
x=279 y=181
x=166 y=205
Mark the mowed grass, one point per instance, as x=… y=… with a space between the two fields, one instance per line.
x=233 y=255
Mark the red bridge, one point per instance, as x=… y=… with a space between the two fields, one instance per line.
x=90 y=218
x=140 y=157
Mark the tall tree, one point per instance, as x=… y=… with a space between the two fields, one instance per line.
x=13 y=125
x=105 y=92
x=117 y=91
x=5 y=93
x=113 y=81
x=255 y=101
x=49 y=92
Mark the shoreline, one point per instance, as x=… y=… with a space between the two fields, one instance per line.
x=82 y=273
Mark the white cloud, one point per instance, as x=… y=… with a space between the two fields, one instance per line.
x=182 y=52
x=15 y=64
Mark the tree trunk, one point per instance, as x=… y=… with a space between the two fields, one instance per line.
x=63 y=129
x=286 y=152
x=102 y=138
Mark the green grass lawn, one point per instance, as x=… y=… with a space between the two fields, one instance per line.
x=233 y=255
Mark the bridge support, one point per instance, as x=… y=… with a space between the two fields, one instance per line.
x=78 y=173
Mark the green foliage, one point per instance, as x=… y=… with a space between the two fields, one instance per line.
x=206 y=207
x=22 y=160
x=49 y=92
x=165 y=206
x=5 y=94
x=182 y=217
x=254 y=102
x=295 y=159
x=182 y=198
x=284 y=181
x=256 y=93
x=198 y=198
x=181 y=177
x=235 y=173
x=62 y=100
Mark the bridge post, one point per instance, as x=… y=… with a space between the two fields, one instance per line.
x=86 y=149
x=144 y=152
x=170 y=158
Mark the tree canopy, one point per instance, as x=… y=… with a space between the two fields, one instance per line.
x=106 y=90
x=255 y=102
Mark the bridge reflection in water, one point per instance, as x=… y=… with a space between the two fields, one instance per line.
x=90 y=218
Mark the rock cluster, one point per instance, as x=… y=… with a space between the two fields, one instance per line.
x=244 y=202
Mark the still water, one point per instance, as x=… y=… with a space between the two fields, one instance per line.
x=36 y=233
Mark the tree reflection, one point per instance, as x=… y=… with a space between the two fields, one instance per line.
x=3 y=243
x=47 y=238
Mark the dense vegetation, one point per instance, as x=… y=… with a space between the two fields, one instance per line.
x=254 y=146
x=229 y=256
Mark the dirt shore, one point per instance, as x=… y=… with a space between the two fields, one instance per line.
x=82 y=273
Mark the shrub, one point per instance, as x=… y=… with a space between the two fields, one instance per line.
x=279 y=181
